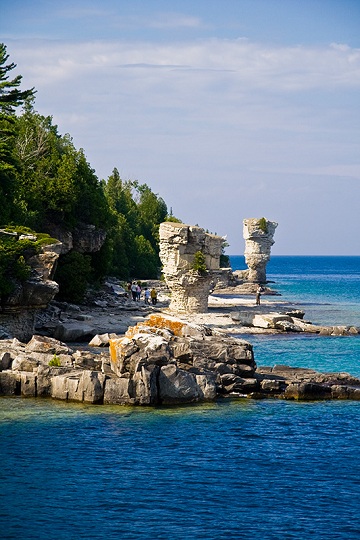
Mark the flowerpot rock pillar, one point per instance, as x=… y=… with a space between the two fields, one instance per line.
x=259 y=237
x=181 y=248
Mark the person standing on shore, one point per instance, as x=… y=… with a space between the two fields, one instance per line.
x=259 y=290
x=153 y=295
x=134 y=291
x=147 y=296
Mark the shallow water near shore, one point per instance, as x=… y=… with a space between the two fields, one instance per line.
x=328 y=290
x=229 y=470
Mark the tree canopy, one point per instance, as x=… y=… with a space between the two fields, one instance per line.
x=11 y=97
x=45 y=180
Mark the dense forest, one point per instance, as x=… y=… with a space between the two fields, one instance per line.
x=45 y=182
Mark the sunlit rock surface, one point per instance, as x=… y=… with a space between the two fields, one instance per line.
x=179 y=244
x=259 y=237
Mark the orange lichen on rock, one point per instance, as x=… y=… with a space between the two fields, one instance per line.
x=132 y=330
x=159 y=321
x=114 y=344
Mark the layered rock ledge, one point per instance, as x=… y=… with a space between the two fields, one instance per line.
x=19 y=308
x=161 y=361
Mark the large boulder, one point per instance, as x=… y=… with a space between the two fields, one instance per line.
x=167 y=360
x=87 y=386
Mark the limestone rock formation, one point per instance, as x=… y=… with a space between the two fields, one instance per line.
x=161 y=361
x=259 y=237
x=180 y=244
x=165 y=360
x=19 y=308
x=288 y=321
x=84 y=238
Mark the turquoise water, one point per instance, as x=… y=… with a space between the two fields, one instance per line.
x=223 y=471
x=328 y=290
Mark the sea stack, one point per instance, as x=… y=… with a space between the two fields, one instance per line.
x=191 y=262
x=259 y=237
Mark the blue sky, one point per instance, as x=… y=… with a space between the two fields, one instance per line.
x=228 y=109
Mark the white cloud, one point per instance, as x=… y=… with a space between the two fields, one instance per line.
x=242 y=128
x=231 y=61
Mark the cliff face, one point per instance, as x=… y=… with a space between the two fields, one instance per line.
x=84 y=238
x=18 y=309
x=179 y=245
x=258 y=235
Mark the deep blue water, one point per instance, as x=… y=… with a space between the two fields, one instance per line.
x=224 y=471
x=246 y=469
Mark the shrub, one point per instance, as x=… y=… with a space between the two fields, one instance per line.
x=199 y=263
x=262 y=224
x=55 y=361
x=13 y=265
x=14 y=254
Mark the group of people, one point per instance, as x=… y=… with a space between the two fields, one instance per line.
x=135 y=290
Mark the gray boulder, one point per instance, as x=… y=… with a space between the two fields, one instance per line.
x=87 y=386
x=74 y=331
x=178 y=386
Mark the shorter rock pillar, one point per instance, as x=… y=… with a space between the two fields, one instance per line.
x=258 y=235
x=180 y=245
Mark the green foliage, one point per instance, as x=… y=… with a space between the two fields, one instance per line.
x=146 y=262
x=136 y=213
x=46 y=184
x=57 y=184
x=11 y=97
x=55 y=361
x=199 y=263
x=13 y=266
x=262 y=224
x=14 y=254
x=224 y=259
x=173 y=219
x=73 y=275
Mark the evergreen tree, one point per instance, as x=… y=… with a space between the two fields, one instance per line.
x=57 y=183
x=137 y=213
x=11 y=97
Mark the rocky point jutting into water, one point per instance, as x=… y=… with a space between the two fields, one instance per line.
x=163 y=360
x=154 y=358
x=180 y=245
x=259 y=237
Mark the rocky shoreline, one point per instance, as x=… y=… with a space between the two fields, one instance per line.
x=144 y=355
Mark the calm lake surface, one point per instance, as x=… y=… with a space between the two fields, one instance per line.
x=230 y=470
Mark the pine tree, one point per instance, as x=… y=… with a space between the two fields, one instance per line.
x=11 y=97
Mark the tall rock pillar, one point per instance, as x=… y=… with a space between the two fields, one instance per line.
x=191 y=260
x=258 y=235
